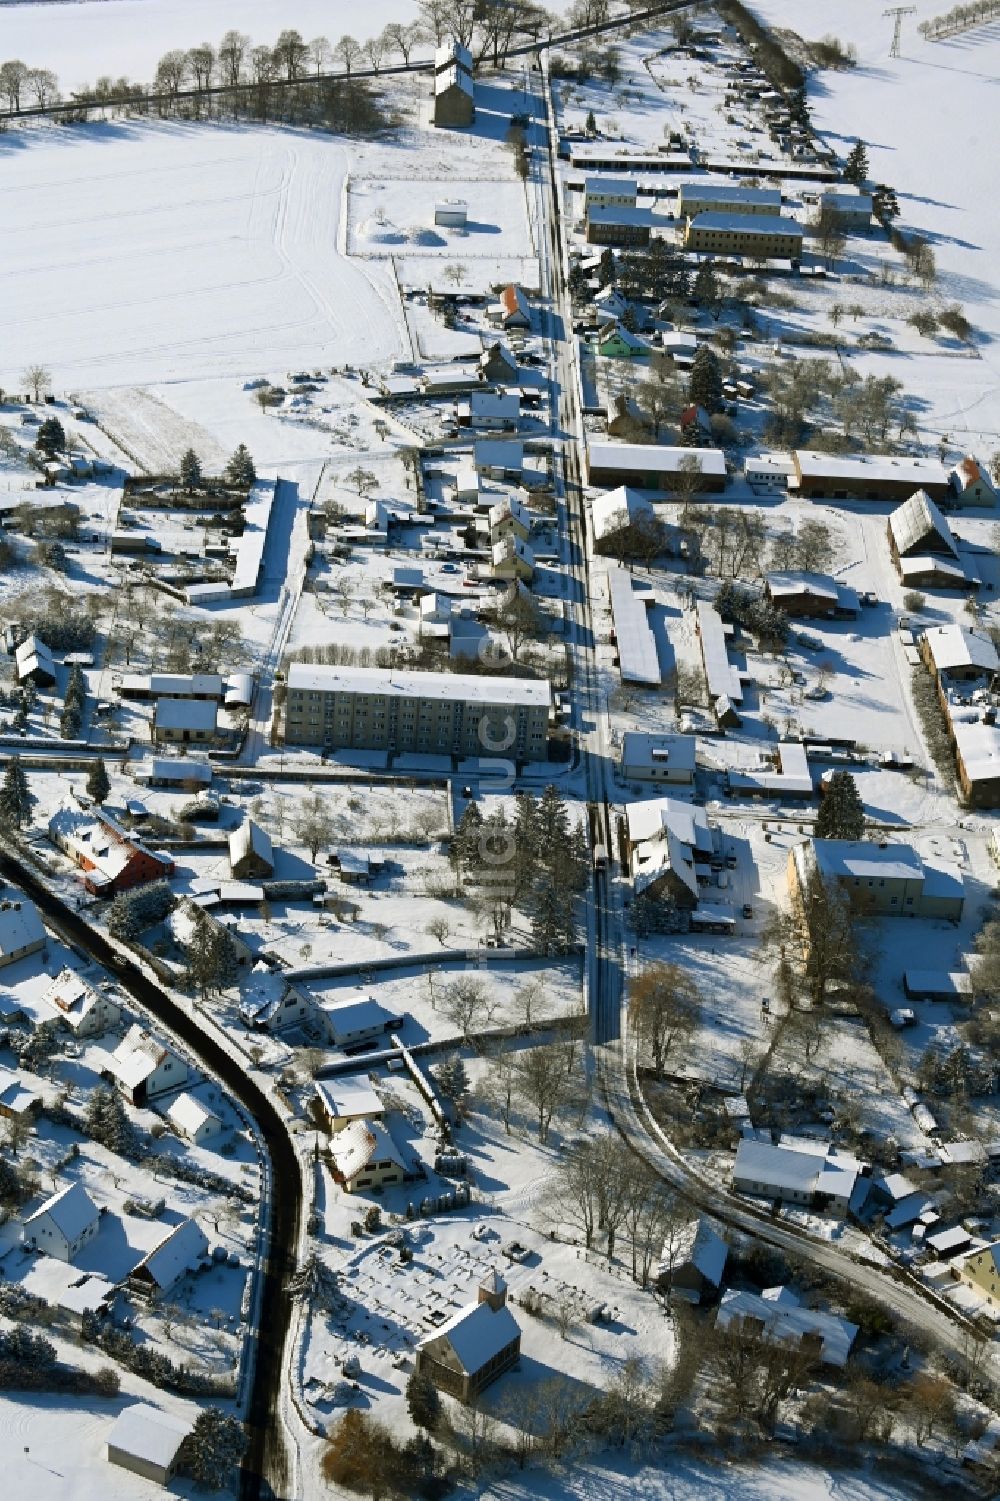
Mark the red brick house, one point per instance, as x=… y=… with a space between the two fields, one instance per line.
x=109 y=857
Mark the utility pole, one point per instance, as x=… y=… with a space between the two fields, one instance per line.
x=898 y=12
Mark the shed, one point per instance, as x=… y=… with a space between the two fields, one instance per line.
x=193 y=1119
x=147 y=1441
x=451 y=213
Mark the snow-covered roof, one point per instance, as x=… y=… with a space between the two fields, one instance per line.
x=871 y=467
x=503 y=405
x=967 y=472
x=248 y=839
x=791 y=583
x=751 y=224
x=688 y=821
x=71 y=996
x=16 y=1096
x=189 y=1114
x=498 y=453
x=198 y=714
x=787 y=1322
x=792 y=778
x=71 y=1210
x=801 y=1167
x=918 y=521
x=638 y=658
x=178 y=1252
x=149 y=1433
x=708 y=1253
x=620 y=213
x=137 y=1056
x=652 y=750
x=844 y=202
x=239 y=689
x=361 y=1143
x=654 y=458
x=715 y=192
x=20 y=926
x=173 y=684
x=978 y=745
x=173 y=769
x=610 y=187
x=618 y=508
x=348 y=1098
x=33 y=653
x=722 y=677
x=477 y=1334
x=510 y=505
x=99 y=839
x=452 y=53
x=349 y=1019
x=954 y=646
x=387 y=682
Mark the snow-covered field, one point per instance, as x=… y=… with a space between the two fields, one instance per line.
x=142 y=252
x=386 y=216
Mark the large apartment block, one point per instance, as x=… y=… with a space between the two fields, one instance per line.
x=433 y=713
x=761 y=235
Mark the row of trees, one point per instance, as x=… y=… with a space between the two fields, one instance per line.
x=240 y=470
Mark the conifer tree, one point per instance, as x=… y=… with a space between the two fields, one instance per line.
x=213 y=1449
x=190 y=470
x=423 y=1402
x=856 y=166
x=15 y=798
x=240 y=470
x=98 y=783
x=705 y=384
x=841 y=813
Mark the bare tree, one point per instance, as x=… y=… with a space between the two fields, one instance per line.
x=347 y=51
x=664 y=1008
x=544 y=1084
x=466 y=1005
x=38 y=380
x=313 y=825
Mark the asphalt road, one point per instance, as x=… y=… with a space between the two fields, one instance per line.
x=265 y=1468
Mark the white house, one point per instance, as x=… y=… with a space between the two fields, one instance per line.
x=494 y=410
x=658 y=758
x=80 y=1008
x=269 y=1002
x=181 y=1251
x=799 y=1171
x=143 y=1067
x=21 y=931
x=64 y=1224
x=192 y=1119
x=147 y=1441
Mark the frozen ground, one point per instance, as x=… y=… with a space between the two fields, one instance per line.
x=161 y=251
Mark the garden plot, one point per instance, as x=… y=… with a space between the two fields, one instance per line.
x=516 y=991
x=150 y=252
x=387 y=217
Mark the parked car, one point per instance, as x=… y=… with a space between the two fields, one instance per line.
x=747 y=910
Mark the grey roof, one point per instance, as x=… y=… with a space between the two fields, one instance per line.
x=714 y=192
x=248 y=839
x=779 y=1168
x=959 y=646
x=722 y=677
x=918 y=523
x=181 y=769
x=787 y=1322
x=653 y=458
x=349 y=1019
x=652 y=750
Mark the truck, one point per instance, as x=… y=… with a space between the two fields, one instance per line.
x=600 y=857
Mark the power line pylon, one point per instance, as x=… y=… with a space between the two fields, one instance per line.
x=898 y=11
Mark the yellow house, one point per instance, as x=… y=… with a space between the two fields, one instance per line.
x=365 y=1156
x=981 y=1272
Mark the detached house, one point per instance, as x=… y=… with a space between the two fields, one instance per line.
x=512 y=559
x=181 y=1251
x=513 y=309
x=64 y=1224
x=110 y=858
x=143 y=1067
x=269 y=1003
x=498 y=364
x=185 y=721
x=21 y=931
x=364 y=1155
x=33 y=663
x=80 y=1008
